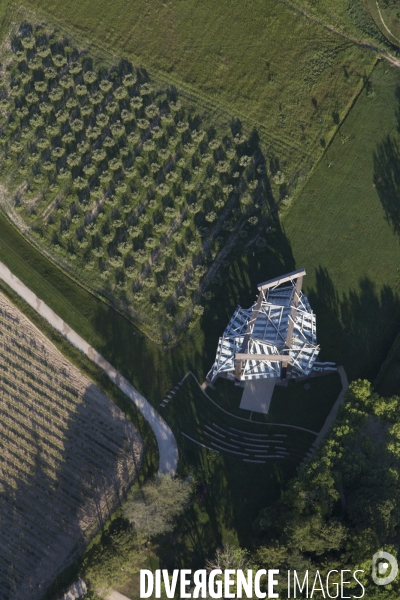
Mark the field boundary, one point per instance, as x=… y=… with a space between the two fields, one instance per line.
x=168 y=450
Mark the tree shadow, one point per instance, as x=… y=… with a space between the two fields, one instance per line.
x=357 y=328
x=387 y=179
x=75 y=471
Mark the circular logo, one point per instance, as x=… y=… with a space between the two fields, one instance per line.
x=381 y=561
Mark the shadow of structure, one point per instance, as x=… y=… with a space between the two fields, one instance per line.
x=68 y=469
x=154 y=369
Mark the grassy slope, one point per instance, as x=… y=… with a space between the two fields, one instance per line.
x=235 y=491
x=259 y=60
x=338 y=232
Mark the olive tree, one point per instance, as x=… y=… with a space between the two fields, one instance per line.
x=152 y=509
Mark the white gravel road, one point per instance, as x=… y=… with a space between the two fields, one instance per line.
x=167 y=447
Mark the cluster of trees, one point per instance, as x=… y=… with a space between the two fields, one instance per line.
x=147 y=513
x=345 y=504
x=119 y=178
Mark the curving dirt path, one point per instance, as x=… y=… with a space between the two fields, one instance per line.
x=167 y=446
x=384 y=24
x=395 y=62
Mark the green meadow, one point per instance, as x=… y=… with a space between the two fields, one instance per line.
x=327 y=121
x=259 y=62
x=343 y=228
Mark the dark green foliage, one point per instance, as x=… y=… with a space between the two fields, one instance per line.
x=344 y=506
x=153 y=509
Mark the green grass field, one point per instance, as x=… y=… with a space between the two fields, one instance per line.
x=295 y=81
x=386 y=16
x=343 y=230
x=391 y=16
x=259 y=62
x=354 y=19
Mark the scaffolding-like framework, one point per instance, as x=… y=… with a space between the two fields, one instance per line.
x=276 y=337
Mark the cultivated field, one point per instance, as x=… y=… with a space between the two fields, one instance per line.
x=260 y=61
x=127 y=186
x=68 y=456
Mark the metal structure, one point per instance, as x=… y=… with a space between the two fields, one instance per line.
x=276 y=337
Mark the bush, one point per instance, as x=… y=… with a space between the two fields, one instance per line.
x=112 y=107
x=244 y=161
x=129 y=80
x=77 y=125
x=93 y=133
x=75 y=68
x=108 y=142
x=96 y=98
x=80 y=183
x=66 y=82
x=89 y=77
x=40 y=86
x=98 y=155
x=55 y=95
x=120 y=93
x=43 y=143
x=105 y=86
x=32 y=98
x=43 y=51
x=127 y=116
x=73 y=160
x=81 y=90
x=117 y=129
x=59 y=60
x=115 y=164
x=145 y=89
x=182 y=126
x=211 y=216
x=136 y=103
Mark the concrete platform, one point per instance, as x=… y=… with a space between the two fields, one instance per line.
x=257 y=394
